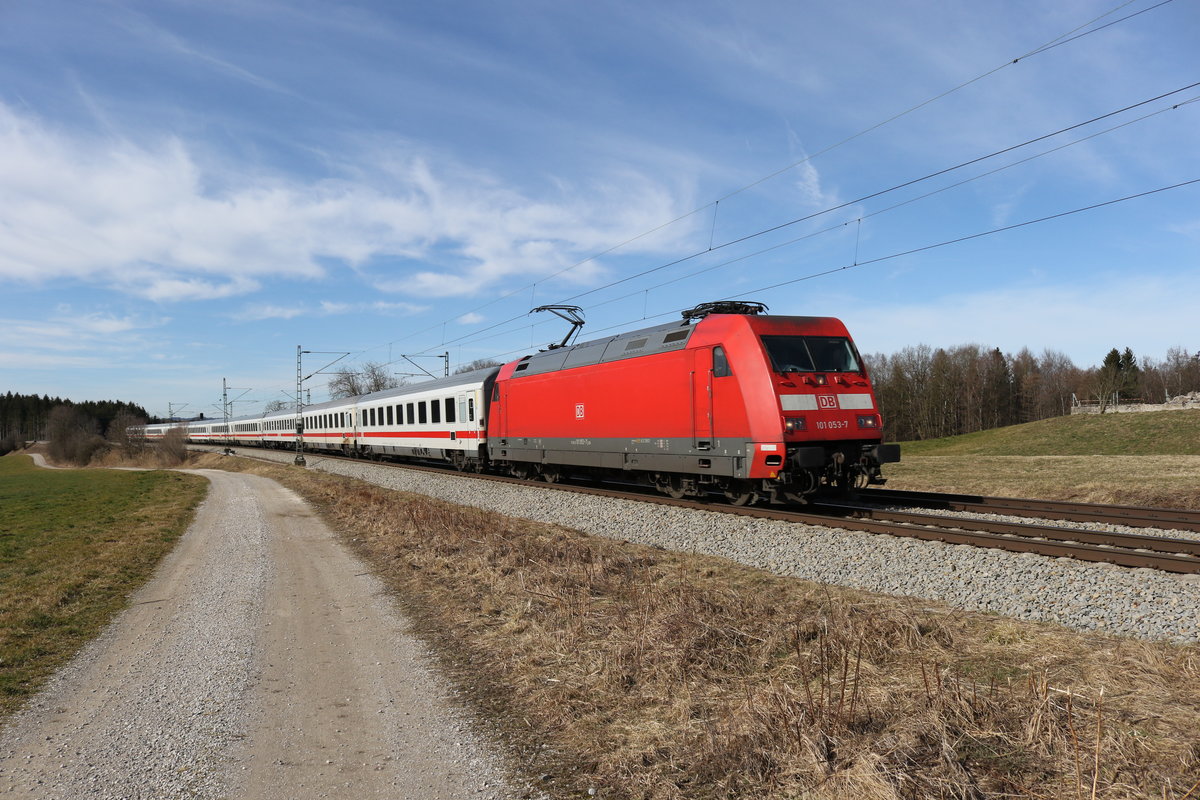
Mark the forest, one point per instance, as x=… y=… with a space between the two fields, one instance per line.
x=27 y=417
x=927 y=393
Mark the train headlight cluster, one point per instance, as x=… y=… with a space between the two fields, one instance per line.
x=794 y=424
x=870 y=421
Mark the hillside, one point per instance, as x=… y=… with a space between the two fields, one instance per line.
x=1148 y=434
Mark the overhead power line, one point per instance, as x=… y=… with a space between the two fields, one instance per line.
x=470 y=336
x=903 y=253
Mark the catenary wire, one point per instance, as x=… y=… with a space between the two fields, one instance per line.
x=911 y=251
x=1057 y=41
x=472 y=335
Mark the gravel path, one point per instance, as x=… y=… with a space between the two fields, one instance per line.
x=262 y=661
x=1142 y=603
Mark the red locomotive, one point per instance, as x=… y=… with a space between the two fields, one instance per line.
x=727 y=400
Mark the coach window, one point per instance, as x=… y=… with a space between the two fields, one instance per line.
x=422 y=417
x=449 y=409
x=389 y=415
x=720 y=363
x=435 y=411
x=470 y=409
x=399 y=414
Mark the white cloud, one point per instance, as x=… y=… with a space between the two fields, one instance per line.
x=470 y=318
x=326 y=308
x=260 y=312
x=182 y=289
x=73 y=339
x=146 y=219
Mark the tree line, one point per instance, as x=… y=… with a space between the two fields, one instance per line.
x=27 y=417
x=927 y=393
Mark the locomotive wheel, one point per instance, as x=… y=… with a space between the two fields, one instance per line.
x=550 y=475
x=740 y=493
x=741 y=498
x=673 y=488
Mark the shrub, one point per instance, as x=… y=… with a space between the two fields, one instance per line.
x=172 y=450
x=74 y=437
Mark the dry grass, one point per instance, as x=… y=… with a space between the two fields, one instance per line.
x=648 y=674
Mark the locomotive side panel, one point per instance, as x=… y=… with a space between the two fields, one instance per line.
x=652 y=413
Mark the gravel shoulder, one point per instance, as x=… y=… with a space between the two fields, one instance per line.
x=262 y=660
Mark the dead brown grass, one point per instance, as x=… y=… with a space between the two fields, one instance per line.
x=647 y=674
x=1169 y=481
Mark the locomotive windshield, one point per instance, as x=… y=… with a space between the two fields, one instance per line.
x=811 y=354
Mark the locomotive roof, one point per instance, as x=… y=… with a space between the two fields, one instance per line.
x=643 y=342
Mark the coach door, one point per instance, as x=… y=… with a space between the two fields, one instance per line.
x=702 y=422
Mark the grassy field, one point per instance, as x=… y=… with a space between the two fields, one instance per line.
x=1138 y=459
x=1157 y=433
x=73 y=545
x=640 y=673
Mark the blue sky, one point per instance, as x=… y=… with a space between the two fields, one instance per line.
x=189 y=190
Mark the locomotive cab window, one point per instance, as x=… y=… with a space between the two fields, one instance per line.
x=811 y=354
x=720 y=363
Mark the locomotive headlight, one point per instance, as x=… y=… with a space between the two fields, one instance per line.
x=793 y=424
x=868 y=421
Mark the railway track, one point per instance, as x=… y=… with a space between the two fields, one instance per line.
x=1133 y=550
x=1133 y=516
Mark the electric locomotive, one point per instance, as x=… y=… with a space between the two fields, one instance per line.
x=728 y=399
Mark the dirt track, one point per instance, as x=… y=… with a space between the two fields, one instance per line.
x=262 y=661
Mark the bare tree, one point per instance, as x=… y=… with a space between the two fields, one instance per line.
x=120 y=433
x=372 y=376
x=276 y=405
x=479 y=363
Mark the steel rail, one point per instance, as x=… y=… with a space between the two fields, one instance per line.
x=1133 y=516
x=1136 y=541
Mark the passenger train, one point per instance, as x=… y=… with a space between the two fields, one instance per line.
x=728 y=400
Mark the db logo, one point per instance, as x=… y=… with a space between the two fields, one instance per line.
x=579 y=411
x=826 y=401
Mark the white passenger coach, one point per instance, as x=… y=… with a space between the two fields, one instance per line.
x=441 y=419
